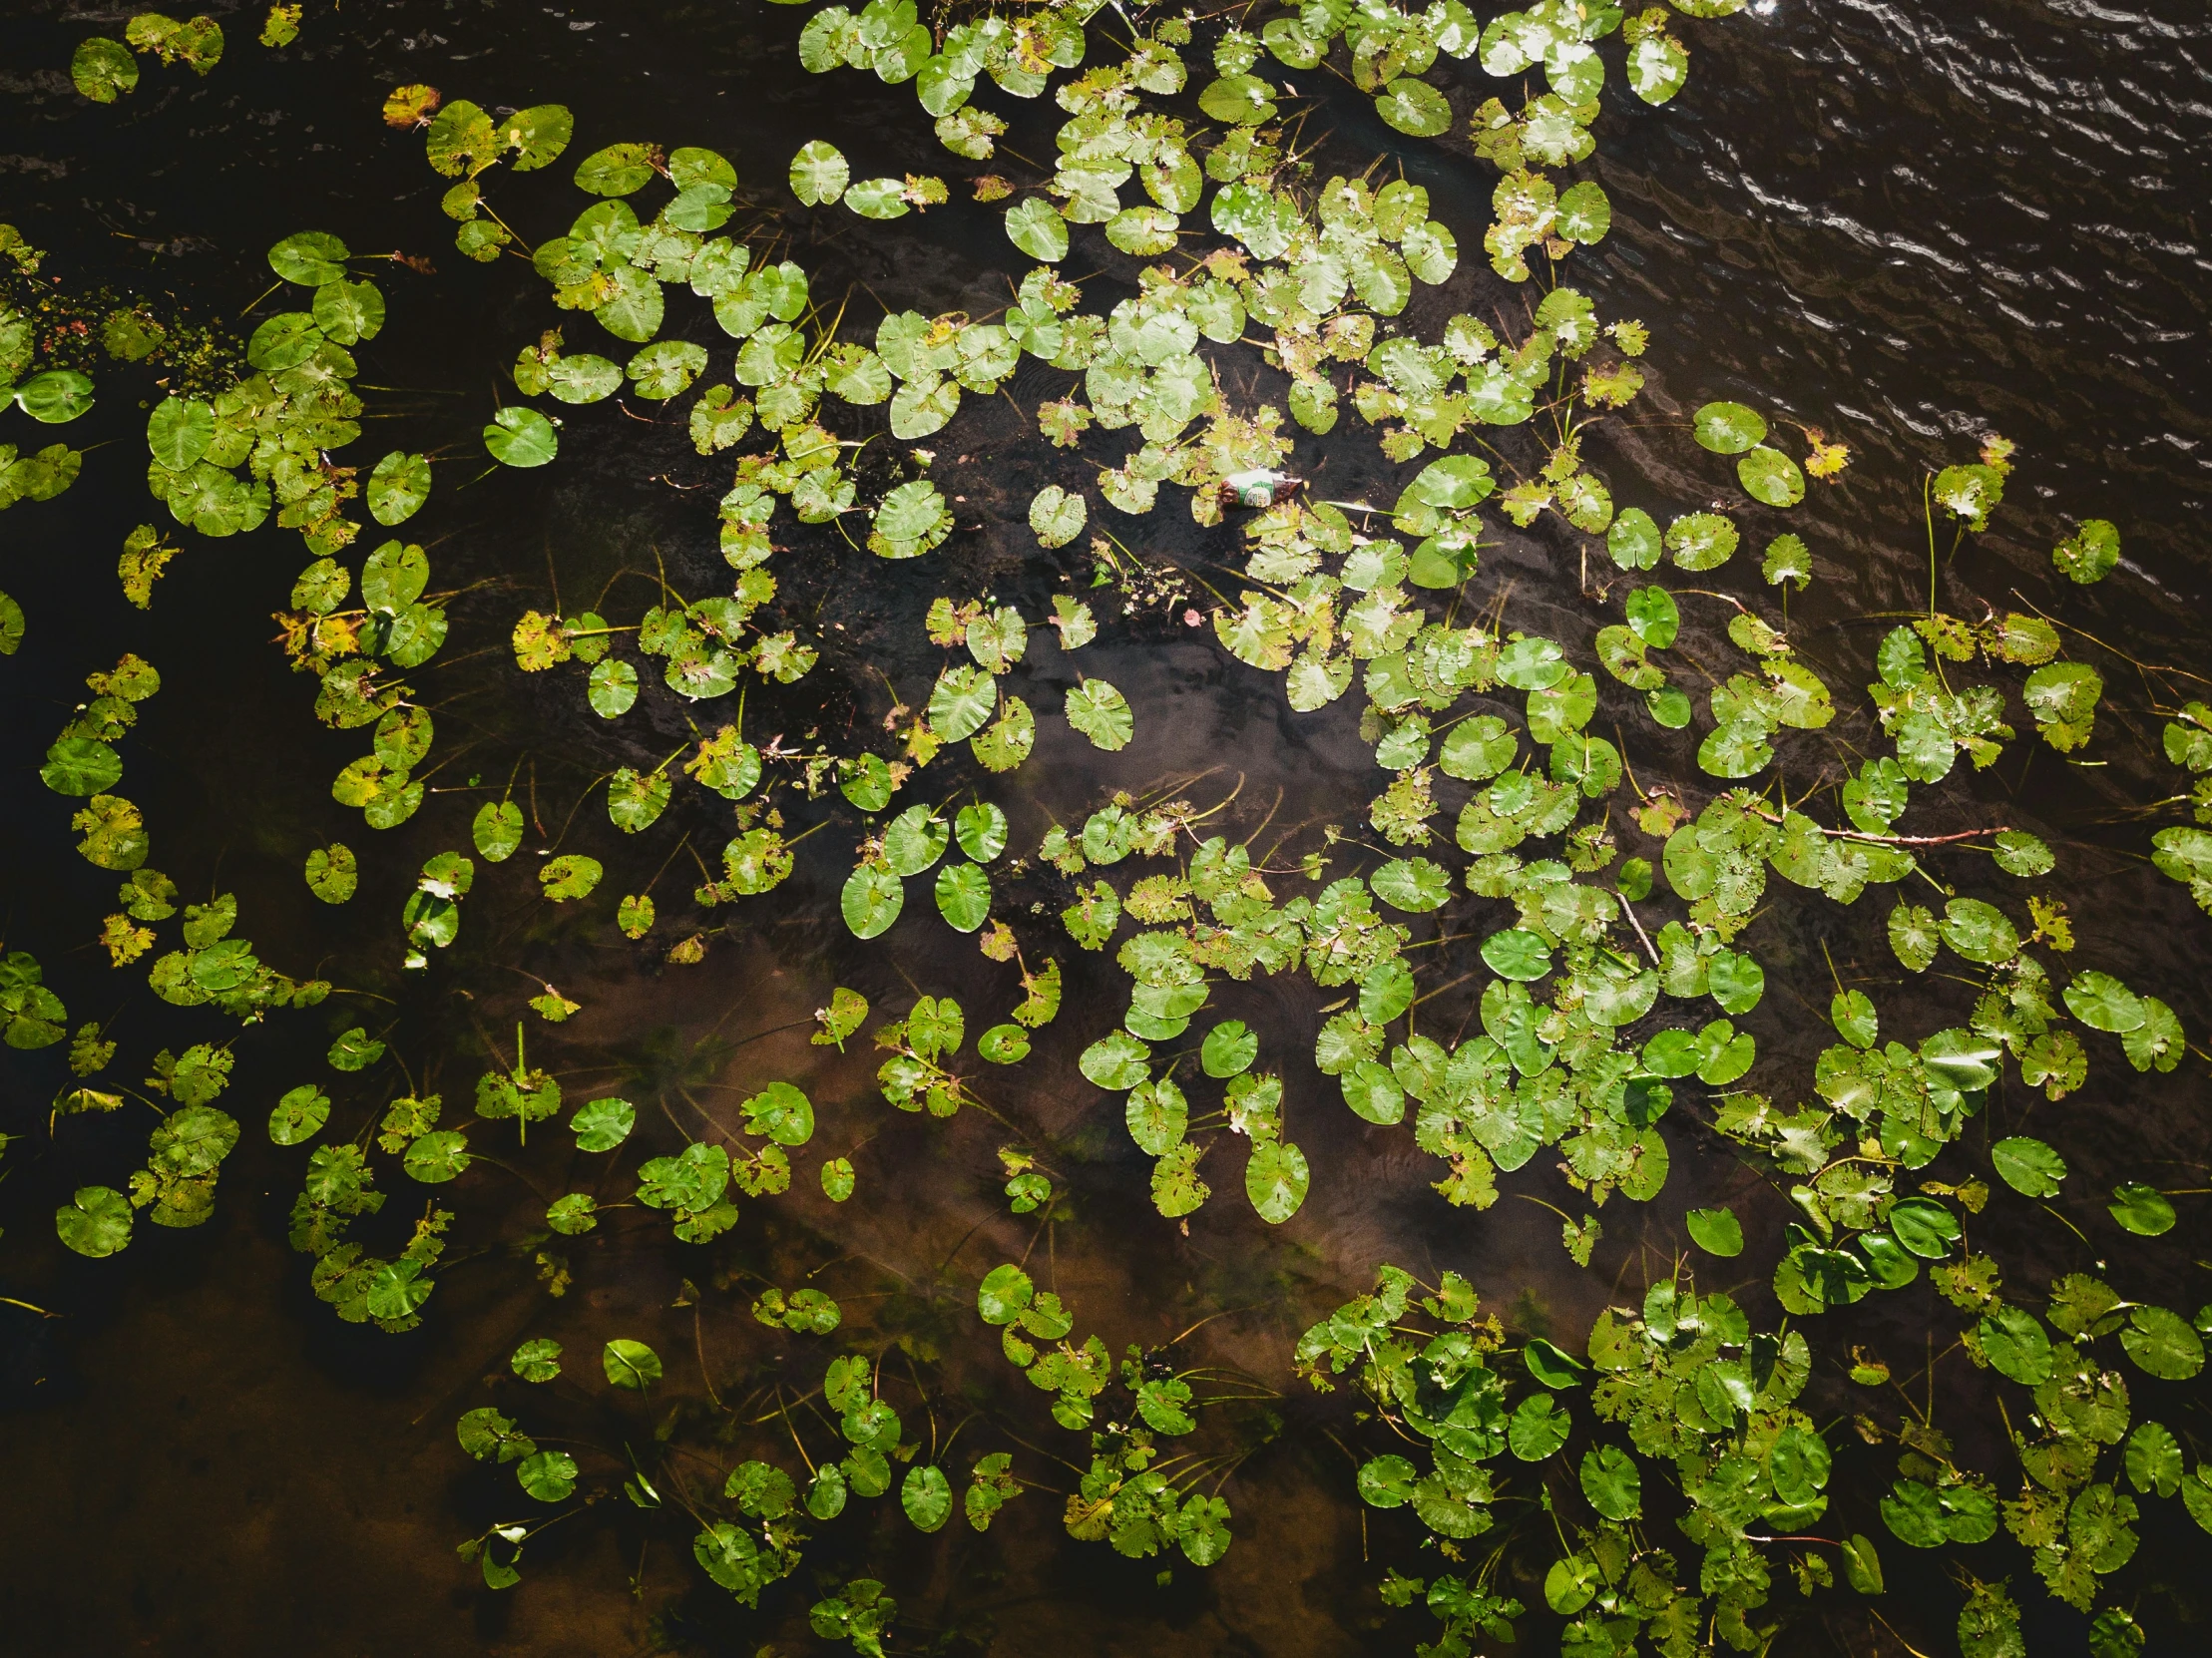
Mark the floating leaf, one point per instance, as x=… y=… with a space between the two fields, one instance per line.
x=1117 y=1060
x=1101 y=713
x=497 y=831
x=332 y=873
x=1229 y=1049
x=963 y=894
x=1518 y=953
x=1410 y=104
x=981 y=830
x=310 y=258
x=1728 y=428
x=538 y=1360
x=2029 y=1165
x=102 y=69
x=1275 y=1181
x=927 y=1498
x=1610 y=1481
x=1245 y=100
x=570 y=876
x=520 y=437
x=630 y=1364
x=2162 y=1344
x=1716 y=1231
x=1057 y=516
x=1038 y=231
x=1538 y=1428
x=618 y=170
x=915 y=840
x=398 y=487
x=1414 y=885
x=2142 y=1210
x=2102 y=1003
x=603 y=1124
x=2016 y=1346
x=55 y=397
x=961 y=702
x=299 y=1115
x=95 y=1222
x=1770 y=476
x=2090 y=554
x=871 y=901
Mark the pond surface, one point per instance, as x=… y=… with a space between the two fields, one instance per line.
x=1908 y=226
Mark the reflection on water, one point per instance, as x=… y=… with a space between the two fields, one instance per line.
x=1904 y=225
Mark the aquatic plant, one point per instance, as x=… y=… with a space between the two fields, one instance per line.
x=1601 y=916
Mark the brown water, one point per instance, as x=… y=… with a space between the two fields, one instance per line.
x=1905 y=231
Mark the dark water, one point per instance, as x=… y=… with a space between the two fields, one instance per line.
x=1908 y=227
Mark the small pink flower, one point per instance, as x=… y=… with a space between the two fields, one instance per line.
x=1191 y=618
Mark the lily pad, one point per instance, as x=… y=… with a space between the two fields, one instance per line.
x=2029 y=1165
x=1770 y=476
x=520 y=437
x=871 y=901
x=962 y=897
x=1038 y=231
x=630 y=1363
x=1101 y=713
x=1728 y=428
x=95 y=1222
x=1716 y=1231
x=1412 y=106
x=1229 y=1049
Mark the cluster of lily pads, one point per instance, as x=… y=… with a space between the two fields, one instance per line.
x=46 y=392
x=1625 y=910
x=104 y=69
x=1388 y=50
x=1330 y=603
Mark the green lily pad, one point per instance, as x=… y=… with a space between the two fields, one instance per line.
x=1552 y=1366
x=299 y=1115
x=1728 y=428
x=520 y=437
x=819 y=174
x=2029 y=1165
x=1518 y=953
x=2102 y=1003
x=1716 y=1231
x=618 y=170
x=1229 y=1048
x=1414 y=885
x=630 y=1363
x=1410 y=106
x=1243 y=101
x=570 y=876
x=1538 y=1428
x=1770 y=476
x=56 y=396
x=962 y=897
x=915 y=840
x=311 y=258
x=1057 y=516
x=1101 y=713
x=2142 y=1210
x=1117 y=1060
x=1038 y=231
x=95 y=1222
x=398 y=487
x=981 y=831
x=1612 y=1483
x=1275 y=1181
x=871 y=901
